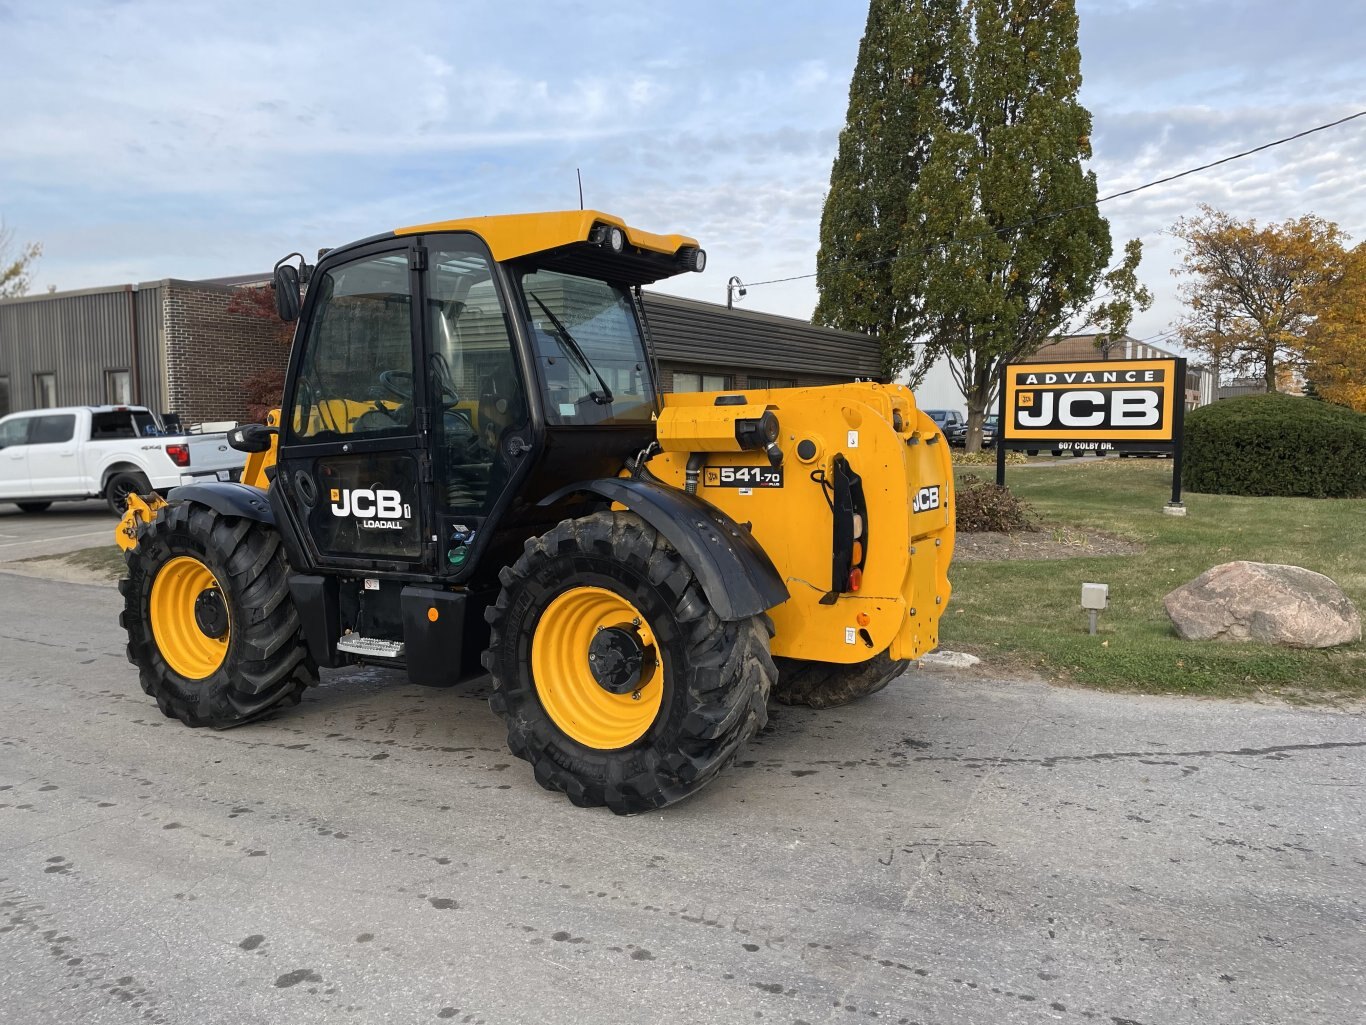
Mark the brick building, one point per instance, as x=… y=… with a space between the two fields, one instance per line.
x=174 y=346
x=171 y=345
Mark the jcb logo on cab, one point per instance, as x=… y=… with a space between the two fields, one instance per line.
x=369 y=503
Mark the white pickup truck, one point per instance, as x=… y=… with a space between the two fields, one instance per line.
x=77 y=452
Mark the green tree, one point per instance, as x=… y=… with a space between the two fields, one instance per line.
x=15 y=266
x=988 y=242
x=1253 y=293
x=1005 y=246
x=895 y=101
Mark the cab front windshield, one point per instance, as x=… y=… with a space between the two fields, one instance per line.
x=588 y=349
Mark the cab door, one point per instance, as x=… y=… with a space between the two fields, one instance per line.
x=53 y=468
x=14 y=457
x=353 y=461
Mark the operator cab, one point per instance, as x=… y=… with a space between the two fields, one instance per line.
x=447 y=377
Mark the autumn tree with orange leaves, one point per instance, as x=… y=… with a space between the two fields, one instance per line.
x=1254 y=292
x=1336 y=350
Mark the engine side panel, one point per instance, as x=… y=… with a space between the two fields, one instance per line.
x=907 y=481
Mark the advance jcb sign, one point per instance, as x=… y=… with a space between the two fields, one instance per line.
x=1113 y=405
x=1108 y=405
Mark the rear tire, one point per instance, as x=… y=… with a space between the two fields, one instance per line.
x=259 y=661
x=33 y=507
x=711 y=695
x=120 y=486
x=830 y=684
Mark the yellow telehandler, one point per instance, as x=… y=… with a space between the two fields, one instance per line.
x=472 y=468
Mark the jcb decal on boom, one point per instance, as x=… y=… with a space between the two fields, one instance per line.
x=925 y=499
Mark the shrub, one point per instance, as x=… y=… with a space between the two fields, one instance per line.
x=1278 y=445
x=986 y=506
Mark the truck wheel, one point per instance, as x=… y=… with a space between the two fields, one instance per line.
x=615 y=677
x=211 y=625
x=828 y=684
x=120 y=486
x=33 y=507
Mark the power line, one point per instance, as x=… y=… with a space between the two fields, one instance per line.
x=1104 y=199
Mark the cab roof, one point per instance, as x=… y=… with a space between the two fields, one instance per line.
x=562 y=240
x=510 y=236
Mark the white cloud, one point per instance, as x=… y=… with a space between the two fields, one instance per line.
x=156 y=138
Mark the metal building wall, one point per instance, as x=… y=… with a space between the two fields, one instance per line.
x=700 y=333
x=77 y=336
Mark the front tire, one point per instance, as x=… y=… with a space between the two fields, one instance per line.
x=211 y=625
x=830 y=684
x=694 y=694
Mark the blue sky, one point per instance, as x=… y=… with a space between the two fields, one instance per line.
x=141 y=140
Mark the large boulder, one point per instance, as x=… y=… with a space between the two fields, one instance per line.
x=1260 y=601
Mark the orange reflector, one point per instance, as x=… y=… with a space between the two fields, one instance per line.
x=863 y=619
x=858 y=553
x=432 y=614
x=855 y=578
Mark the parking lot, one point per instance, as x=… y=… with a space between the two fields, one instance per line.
x=62 y=528
x=951 y=850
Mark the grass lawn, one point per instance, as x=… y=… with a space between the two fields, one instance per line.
x=1028 y=613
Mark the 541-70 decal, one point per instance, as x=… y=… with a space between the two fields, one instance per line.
x=743 y=476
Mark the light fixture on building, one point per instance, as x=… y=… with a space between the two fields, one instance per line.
x=735 y=289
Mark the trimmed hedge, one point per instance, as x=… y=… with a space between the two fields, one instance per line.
x=1275 y=445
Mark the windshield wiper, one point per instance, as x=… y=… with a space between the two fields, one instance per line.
x=602 y=398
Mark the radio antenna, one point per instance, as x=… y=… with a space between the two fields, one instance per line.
x=579 y=174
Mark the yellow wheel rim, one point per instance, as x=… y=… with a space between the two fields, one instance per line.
x=564 y=679
x=185 y=646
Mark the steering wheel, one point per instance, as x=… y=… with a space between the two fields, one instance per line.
x=398 y=383
x=444 y=380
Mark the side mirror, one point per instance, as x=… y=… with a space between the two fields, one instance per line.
x=251 y=437
x=286 y=285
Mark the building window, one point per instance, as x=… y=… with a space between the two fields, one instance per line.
x=771 y=382
x=700 y=382
x=118 y=387
x=4 y=396
x=44 y=391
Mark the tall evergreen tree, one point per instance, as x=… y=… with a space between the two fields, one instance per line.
x=895 y=98
x=1005 y=246
x=985 y=237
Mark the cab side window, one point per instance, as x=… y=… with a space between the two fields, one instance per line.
x=52 y=430
x=473 y=378
x=15 y=432
x=356 y=373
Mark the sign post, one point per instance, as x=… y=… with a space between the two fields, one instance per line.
x=1101 y=406
x=1176 y=507
x=1000 y=429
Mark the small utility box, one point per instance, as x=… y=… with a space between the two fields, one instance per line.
x=1094 y=598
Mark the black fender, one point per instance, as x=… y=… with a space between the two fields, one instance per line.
x=736 y=574
x=228 y=498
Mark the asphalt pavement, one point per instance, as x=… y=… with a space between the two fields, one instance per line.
x=953 y=850
x=63 y=527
